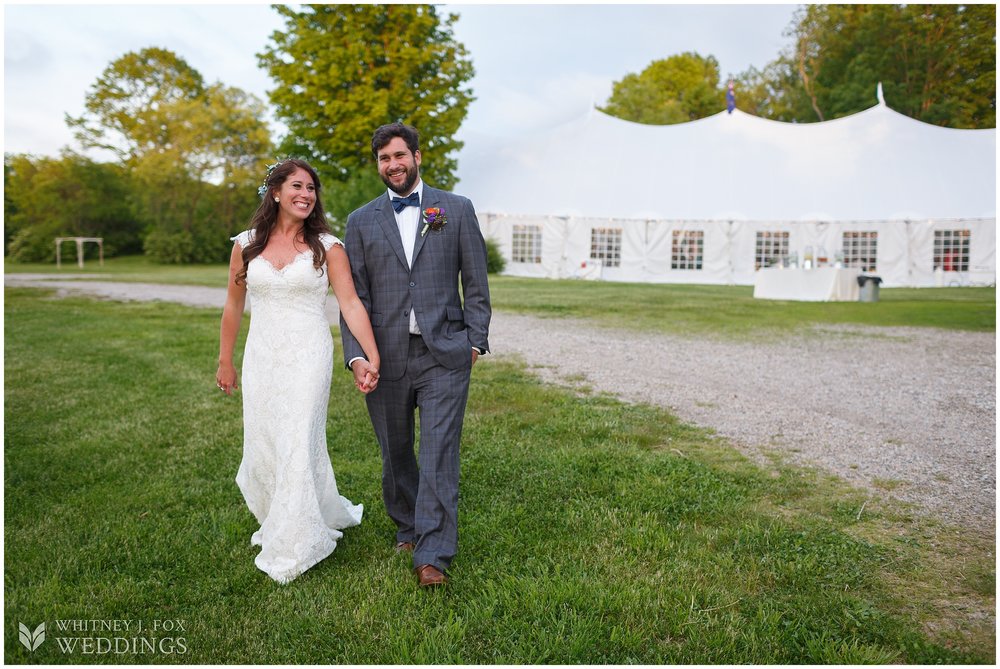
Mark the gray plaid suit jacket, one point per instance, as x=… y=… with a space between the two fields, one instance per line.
x=389 y=289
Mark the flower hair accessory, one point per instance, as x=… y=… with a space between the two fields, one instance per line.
x=434 y=219
x=262 y=189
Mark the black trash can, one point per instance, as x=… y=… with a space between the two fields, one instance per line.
x=869 y=287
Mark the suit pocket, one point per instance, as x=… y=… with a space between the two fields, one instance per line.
x=455 y=314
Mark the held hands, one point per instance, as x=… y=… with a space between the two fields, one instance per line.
x=365 y=375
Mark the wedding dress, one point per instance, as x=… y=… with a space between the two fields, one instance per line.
x=286 y=476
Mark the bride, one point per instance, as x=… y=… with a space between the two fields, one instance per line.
x=286 y=262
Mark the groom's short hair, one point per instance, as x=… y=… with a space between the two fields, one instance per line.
x=385 y=133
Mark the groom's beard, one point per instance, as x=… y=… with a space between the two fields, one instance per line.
x=412 y=174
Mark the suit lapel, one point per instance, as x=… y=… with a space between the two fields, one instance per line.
x=387 y=220
x=429 y=199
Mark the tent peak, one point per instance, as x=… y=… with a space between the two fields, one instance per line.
x=879 y=95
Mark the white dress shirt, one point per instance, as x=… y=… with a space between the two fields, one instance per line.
x=407 y=222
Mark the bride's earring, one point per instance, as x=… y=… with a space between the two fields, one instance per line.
x=277 y=199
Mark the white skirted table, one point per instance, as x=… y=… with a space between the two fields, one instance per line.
x=819 y=284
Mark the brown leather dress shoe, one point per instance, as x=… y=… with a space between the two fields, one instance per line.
x=407 y=546
x=428 y=575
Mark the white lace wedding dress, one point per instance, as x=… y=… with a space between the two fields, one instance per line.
x=286 y=477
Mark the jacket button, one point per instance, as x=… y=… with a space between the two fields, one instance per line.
x=412 y=284
x=406 y=313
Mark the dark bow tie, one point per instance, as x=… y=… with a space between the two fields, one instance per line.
x=401 y=203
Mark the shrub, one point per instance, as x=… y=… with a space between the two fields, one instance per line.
x=170 y=248
x=495 y=261
x=33 y=245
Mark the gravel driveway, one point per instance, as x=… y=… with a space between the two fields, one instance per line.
x=905 y=412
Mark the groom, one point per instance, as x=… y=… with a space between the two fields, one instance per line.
x=408 y=249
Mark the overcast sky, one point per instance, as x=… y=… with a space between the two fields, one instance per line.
x=536 y=65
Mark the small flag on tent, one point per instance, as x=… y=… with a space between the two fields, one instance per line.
x=730 y=98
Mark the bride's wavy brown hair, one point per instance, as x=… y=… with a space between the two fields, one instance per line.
x=264 y=219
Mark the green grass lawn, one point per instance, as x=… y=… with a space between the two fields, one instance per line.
x=591 y=531
x=732 y=310
x=691 y=310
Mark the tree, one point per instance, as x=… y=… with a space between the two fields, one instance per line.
x=186 y=145
x=937 y=63
x=45 y=198
x=216 y=157
x=680 y=88
x=10 y=207
x=775 y=92
x=131 y=110
x=343 y=70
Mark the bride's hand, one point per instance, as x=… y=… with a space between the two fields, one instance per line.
x=225 y=379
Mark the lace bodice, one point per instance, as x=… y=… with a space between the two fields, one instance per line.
x=297 y=287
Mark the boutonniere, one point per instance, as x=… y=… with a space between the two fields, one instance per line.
x=434 y=219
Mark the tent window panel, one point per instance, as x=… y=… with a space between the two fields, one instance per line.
x=687 y=249
x=526 y=245
x=861 y=250
x=951 y=250
x=606 y=246
x=771 y=248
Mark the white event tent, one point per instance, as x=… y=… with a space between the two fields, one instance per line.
x=713 y=200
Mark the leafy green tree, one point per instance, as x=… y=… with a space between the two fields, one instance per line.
x=186 y=145
x=774 y=92
x=680 y=88
x=343 y=70
x=937 y=63
x=132 y=108
x=201 y=188
x=45 y=198
x=10 y=207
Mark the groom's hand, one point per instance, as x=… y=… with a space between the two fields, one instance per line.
x=371 y=380
x=475 y=356
x=365 y=376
